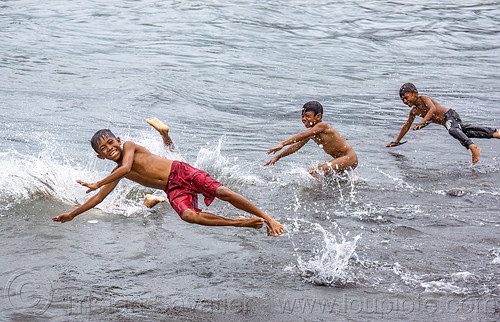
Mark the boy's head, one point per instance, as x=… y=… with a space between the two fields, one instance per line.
x=100 y=135
x=407 y=88
x=314 y=107
x=312 y=112
x=409 y=94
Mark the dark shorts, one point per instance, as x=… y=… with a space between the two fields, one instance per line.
x=185 y=183
x=463 y=132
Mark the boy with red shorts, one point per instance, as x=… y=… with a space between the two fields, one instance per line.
x=179 y=180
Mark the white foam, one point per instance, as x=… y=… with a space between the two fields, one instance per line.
x=440 y=287
x=222 y=168
x=459 y=283
x=329 y=262
x=407 y=278
x=496 y=253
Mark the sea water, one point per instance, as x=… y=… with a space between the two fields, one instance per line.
x=411 y=234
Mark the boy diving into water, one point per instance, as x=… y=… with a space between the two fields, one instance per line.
x=180 y=181
x=432 y=112
x=344 y=157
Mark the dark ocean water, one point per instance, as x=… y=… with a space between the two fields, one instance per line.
x=413 y=234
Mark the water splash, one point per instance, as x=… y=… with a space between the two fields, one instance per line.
x=331 y=253
x=153 y=142
x=27 y=177
x=224 y=169
x=50 y=173
x=460 y=283
x=407 y=277
x=496 y=253
x=400 y=183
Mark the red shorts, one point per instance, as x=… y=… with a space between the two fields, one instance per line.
x=184 y=184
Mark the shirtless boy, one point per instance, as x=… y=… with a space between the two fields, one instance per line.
x=180 y=181
x=344 y=157
x=432 y=112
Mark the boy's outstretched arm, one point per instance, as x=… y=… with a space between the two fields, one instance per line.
x=404 y=129
x=292 y=149
x=119 y=172
x=89 y=204
x=297 y=138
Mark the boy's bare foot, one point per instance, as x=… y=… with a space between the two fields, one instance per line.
x=476 y=152
x=496 y=134
x=163 y=130
x=150 y=201
x=275 y=228
x=158 y=125
x=255 y=222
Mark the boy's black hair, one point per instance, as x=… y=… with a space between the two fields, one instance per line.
x=407 y=88
x=99 y=134
x=313 y=106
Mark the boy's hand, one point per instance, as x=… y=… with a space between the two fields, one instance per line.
x=272 y=161
x=91 y=186
x=395 y=143
x=63 y=218
x=420 y=125
x=275 y=149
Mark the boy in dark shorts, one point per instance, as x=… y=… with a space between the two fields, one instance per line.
x=180 y=181
x=432 y=112
x=344 y=157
